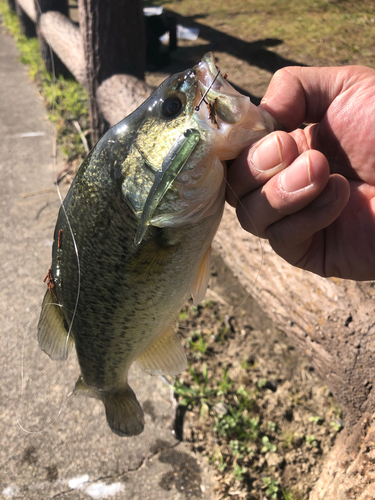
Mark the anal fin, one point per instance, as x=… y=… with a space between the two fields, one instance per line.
x=199 y=289
x=124 y=414
x=164 y=356
x=52 y=335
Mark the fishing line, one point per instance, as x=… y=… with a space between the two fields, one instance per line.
x=207 y=91
x=242 y=206
x=260 y=265
x=54 y=148
x=22 y=392
x=239 y=202
x=54 y=155
x=259 y=242
x=54 y=145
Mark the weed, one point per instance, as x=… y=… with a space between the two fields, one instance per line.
x=222 y=335
x=249 y=364
x=226 y=384
x=262 y=383
x=271 y=426
x=316 y=420
x=297 y=399
x=198 y=394
x=222 y=463
x=183 y=316
x=288 y=438
x=287 y=495
x=311 y=441
x=244 y=364
x=243 y=394
x=239 y=449
x=267 y=445
x=271 y=486
x=217 y=457
x=237 y=424
x=336 y=411
x=337 y=426
x=195 y=310
x=197 y=343
x=239 y=472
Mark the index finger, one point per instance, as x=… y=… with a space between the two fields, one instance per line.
x=299 y=95
x=257 y=164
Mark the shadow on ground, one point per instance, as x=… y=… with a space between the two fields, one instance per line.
x=255 y=53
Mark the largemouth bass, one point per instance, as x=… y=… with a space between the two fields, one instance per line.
x=133 y=237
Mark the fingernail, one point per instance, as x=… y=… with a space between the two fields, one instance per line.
x=268 y=154
x=297 y=176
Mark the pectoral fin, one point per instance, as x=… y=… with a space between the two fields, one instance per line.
x=124 y=414
x=53 y=337
x=165 y=356
x=201 y=281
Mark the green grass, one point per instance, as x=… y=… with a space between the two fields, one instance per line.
x=225 y=384
x=313 y=31
x=65 y=99
x=197 y=343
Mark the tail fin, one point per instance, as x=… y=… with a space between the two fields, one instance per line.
x=124 y=414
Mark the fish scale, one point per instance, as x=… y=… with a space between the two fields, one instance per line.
x=143 y=231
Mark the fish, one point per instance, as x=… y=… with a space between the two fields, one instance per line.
x=132 y=241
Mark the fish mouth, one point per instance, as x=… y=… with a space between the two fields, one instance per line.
x=209 y=75
x=217 y=103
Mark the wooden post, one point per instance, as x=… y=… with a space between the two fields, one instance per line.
x=52 y=62
x=114 y=42
x=26 y=17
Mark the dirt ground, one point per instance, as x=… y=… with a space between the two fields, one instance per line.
x=254 y=408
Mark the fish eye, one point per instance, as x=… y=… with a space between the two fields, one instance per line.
x=171 y=106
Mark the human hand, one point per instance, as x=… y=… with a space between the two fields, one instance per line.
x=311 y=192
